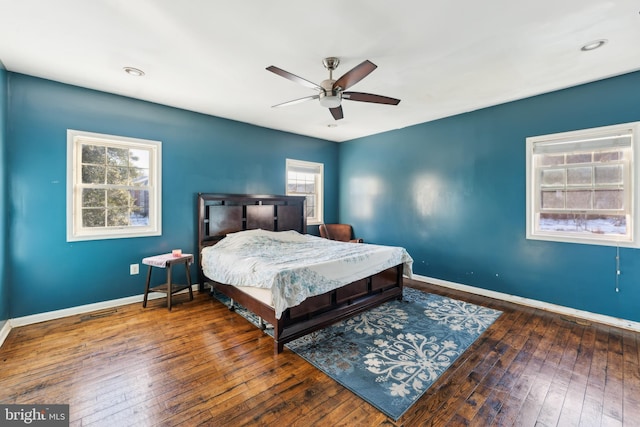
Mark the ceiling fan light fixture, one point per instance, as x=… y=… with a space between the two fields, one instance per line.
x=331 y=99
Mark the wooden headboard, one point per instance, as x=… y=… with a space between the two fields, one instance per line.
x=219 y=214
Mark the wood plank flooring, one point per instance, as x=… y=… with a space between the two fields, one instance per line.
x=204 y=365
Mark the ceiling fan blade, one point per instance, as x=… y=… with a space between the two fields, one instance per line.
x=296 y=101
x=293 y=77
x=354 y=75
x=369 y=97
x=337 y=112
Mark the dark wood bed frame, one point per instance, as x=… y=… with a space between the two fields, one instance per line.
x=219 y=214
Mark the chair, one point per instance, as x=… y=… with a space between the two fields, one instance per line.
x=340 y=232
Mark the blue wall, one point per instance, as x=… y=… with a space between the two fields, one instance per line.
x=4 y=280
x=200 y=154
x=452 y=191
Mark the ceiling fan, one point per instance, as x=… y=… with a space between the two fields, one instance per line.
x=332 y=92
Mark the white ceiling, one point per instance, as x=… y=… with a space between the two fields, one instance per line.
x=440 y=57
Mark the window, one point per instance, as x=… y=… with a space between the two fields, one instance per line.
x=581 y=186
x=113 y=187
x=306 y=179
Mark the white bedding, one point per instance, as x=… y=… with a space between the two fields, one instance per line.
x=295 y=266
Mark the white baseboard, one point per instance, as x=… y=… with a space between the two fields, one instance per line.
x=581 y=314
x=560 y=309
x=4 y=332
x=58 y=314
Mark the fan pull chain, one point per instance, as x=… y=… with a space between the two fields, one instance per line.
x=617 y=268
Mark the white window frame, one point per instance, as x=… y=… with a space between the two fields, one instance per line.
x=623 y=137
x=75 y=230
x=317 y=169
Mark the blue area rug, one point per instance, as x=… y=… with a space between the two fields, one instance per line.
x=391 y=355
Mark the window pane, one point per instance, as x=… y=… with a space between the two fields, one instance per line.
x=93 y=217
x=139 y=176
x=93 y=174
x=117 y=156
x=551 y=160
x=140 y=210
x=311 y=211
x=584 y=223
x=609 y=199
x=117 y=175
x=607 y=156
x=579 y=199
x=610 y=174
x=579 y=176
x=92 y=198
x=93 y=154
x=118 y=199
x=310 y=206
x=579 y=158
x=561 y=222
x=301 y=183
x=117 y=217
x=552 y=200
x=553 y=177
x=139 y=158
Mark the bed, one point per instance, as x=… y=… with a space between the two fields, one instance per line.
x=231 y=220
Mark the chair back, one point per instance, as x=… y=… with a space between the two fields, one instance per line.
x=340 y=232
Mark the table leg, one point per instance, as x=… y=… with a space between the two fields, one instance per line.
x=146 y=288
x=169 y=286
x=186 y=265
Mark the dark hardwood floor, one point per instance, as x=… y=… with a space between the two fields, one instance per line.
x=204 y=365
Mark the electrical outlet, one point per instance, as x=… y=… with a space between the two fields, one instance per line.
x=134 y=269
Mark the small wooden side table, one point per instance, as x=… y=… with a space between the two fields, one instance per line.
x=167 y=261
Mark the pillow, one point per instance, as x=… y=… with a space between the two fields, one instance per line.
x=284 y=236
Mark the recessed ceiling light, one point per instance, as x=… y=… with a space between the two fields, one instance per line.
x=593 y=45
x=133 y=71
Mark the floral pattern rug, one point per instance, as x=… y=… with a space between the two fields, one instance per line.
x=391 y=355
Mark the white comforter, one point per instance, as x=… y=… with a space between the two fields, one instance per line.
x=295 y=266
